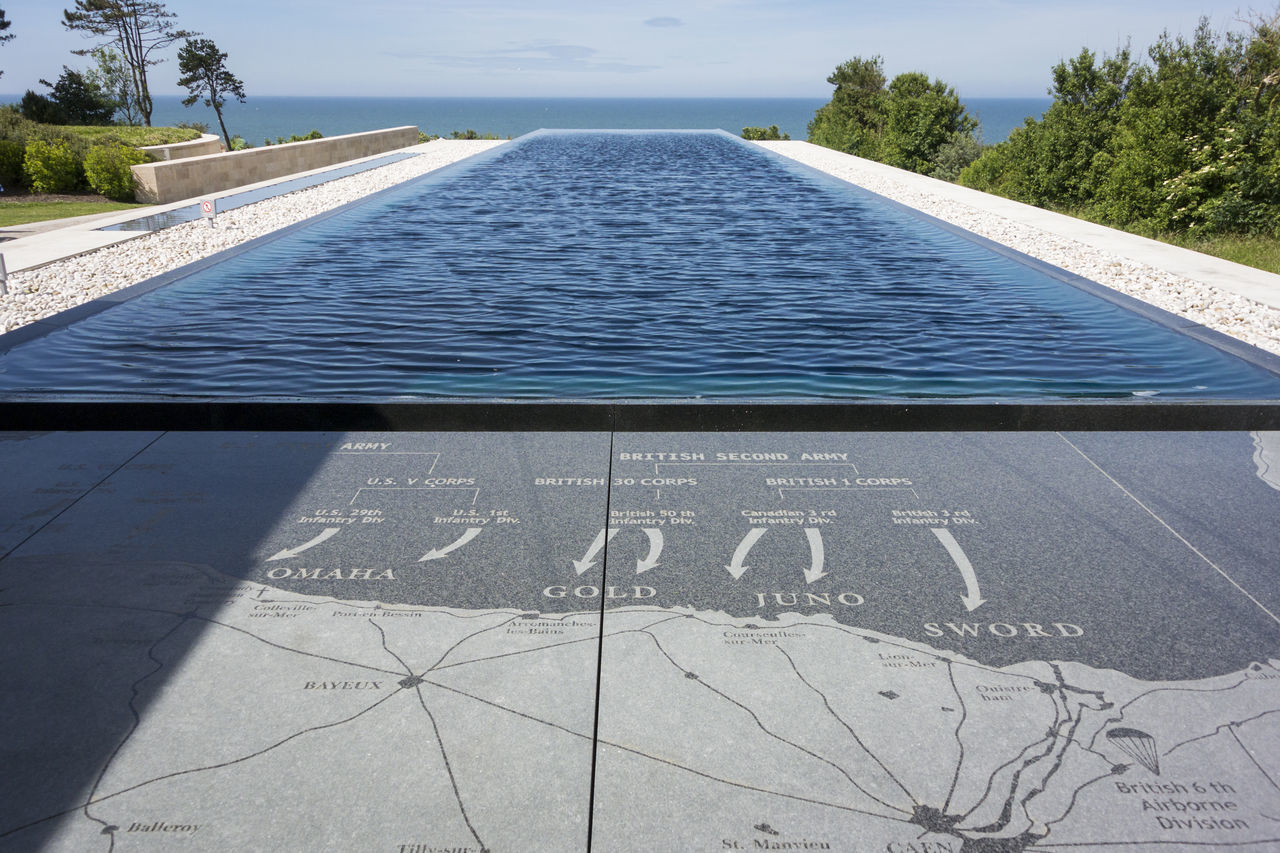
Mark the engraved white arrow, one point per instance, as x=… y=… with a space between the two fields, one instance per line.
x=288 y=553
x=588 y=559
x=973 y=596
x=655 y=551
x=735 y=567
x=818 y=554
x=437 y=553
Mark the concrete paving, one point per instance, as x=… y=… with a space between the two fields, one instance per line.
x=639 y=641
x=27 y=229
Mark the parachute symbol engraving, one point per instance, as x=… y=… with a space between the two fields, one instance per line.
x=1140 y=745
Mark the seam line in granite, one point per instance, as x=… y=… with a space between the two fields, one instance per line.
x=79 y=498
x=1166 y=526
x=604 y=585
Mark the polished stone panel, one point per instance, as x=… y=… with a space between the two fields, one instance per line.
x=304 y=641
x=43 y=473
x=845 y=641
x=976 y=641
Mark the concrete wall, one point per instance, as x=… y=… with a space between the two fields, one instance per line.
x=208 y=143
x=175 y=180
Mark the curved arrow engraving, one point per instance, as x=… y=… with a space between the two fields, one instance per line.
x=817 y=553
x=655 y=551
x=736 y=567
x=289 y=553
x=588 y=559
x=437 y=553
x=973 y=596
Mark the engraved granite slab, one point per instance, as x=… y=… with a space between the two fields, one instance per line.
x=940 y=641
x=811 y=641
x=43 y=473
x=306 y=641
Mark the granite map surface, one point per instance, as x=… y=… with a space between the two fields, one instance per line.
x=546 y=641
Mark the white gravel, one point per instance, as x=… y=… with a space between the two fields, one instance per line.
x=1210 y=306
x=41 y=292
x=44 y=291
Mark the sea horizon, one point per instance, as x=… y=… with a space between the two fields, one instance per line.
x=264 y=117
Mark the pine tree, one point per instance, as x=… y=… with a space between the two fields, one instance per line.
x=139 y=29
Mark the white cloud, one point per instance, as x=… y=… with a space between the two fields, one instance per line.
x=542 y=55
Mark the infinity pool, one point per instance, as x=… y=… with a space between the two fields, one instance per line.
x=626 y=265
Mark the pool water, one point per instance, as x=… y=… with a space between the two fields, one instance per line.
x=626 y=265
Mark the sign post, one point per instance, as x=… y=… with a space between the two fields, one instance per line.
x=209 y=209
x=4 y=278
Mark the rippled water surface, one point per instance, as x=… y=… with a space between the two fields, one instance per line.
x=625 y=265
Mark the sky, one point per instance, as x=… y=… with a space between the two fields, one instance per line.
x=622 y=48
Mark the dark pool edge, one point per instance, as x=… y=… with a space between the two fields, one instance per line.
x=635 y=416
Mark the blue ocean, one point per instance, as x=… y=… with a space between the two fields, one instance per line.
x=263 y=117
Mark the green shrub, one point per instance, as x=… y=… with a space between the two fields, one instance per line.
x=280 y=140
x=59 y=135
x=471 y=134
x=108 y=172
x=1186 y=144
x=763 y=133
x=134 y=136
x=11 y=175
x=51 y=167
x=14 y=127
x=954 y=156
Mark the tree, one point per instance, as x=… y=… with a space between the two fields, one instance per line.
x=205 y=74
x=138 y=28
x=907 y=124
x=852 y=121
x=41 y=108
x=81 y=100
x=111 y=75
x=74 y=99
x=5 y=23
x=921 y=117
x=1063 y=158
x=1168 y=122
x=1188 y=141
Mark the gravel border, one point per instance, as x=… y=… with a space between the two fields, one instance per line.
x=38 y=293
x=1214 y=307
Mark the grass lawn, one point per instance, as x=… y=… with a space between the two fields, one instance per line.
x=20 y=212
x=1260 y=252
